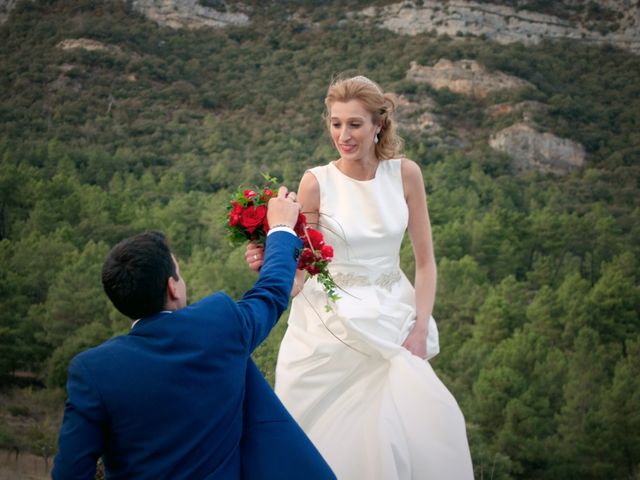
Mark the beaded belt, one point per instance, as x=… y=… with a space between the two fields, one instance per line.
x=386 y=280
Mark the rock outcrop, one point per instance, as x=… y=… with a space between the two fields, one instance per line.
x=467 y=77
x=415 y=113
x=527 y=147
x=88 y=44
x=172 y=13
x=531 y=149
x=187 y=14
x=505 y=25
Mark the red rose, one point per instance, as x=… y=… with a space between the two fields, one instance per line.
x=300 y=224
x=267 y=195
x=252 y=217
x=306 y=257
x=317 y=240
x=313 y=269
x=235 y=214
x=326 y=252
x=249 y=194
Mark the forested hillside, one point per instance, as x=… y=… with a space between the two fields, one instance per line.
x=538 y=298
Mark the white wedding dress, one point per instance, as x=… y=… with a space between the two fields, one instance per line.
x=374 y=410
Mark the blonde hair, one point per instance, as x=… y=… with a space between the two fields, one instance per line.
x=381 y=105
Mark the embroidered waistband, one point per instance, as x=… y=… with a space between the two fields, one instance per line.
x=386 y=280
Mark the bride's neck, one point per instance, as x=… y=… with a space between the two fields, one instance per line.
x=360 y=169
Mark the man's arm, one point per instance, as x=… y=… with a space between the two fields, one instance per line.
x=80 y=442
x=261 y=306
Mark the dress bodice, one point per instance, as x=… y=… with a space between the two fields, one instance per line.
x=364 y=221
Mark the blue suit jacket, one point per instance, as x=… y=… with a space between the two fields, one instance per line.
x=178 y=397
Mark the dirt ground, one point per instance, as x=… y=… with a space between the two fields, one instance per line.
x=23 y=466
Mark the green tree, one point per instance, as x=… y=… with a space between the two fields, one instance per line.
x=503 y=311
x=76 y=297
x=581 y=449
x=544 y=316
x=24 y=282
x=573 y=296
x=16 y=195
x=621 y=415
x=614 y=300
x=85 y=337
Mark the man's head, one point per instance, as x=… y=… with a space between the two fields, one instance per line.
x=141 y=277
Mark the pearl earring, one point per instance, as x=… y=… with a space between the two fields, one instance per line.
x=376 y=139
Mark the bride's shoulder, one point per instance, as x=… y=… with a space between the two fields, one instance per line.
x=309 y=189
x=310 y=178
x=409 y=168
x=412 y=180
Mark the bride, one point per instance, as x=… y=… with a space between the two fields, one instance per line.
x=356 y=378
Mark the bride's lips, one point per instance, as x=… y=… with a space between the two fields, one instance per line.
x=347 y=148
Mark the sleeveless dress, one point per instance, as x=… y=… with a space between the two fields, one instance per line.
x=374 y=410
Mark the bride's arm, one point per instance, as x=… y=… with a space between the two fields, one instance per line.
x=421 y=240
x=309 y=198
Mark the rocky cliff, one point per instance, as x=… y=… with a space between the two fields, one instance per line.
x=504 y=24
x=527 y=147
x=603 y=21
x=416 y=113
x=189 y=13
x=465 y=76
x=174 y=13
x=543 y=151
x=88 y=44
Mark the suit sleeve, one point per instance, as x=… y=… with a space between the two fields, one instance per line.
x=260 y=307
x=80 y=442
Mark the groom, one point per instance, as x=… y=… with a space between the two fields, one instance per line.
x=179 y=397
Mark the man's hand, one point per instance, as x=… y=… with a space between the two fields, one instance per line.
x=283 y=210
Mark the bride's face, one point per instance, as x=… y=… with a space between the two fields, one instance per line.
x=352 y=130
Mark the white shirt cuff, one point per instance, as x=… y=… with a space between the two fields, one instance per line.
x=281 y=229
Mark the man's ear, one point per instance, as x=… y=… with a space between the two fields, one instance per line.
x=172 y=292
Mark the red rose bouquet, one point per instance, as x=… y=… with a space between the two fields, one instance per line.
x=247 y=220
x=248 y=216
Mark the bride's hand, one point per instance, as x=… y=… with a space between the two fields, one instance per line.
x=254 y=254
x=416 y=341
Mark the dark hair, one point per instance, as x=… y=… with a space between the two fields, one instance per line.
x=135 y=274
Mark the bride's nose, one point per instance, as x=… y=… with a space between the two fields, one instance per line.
x=344 y=134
